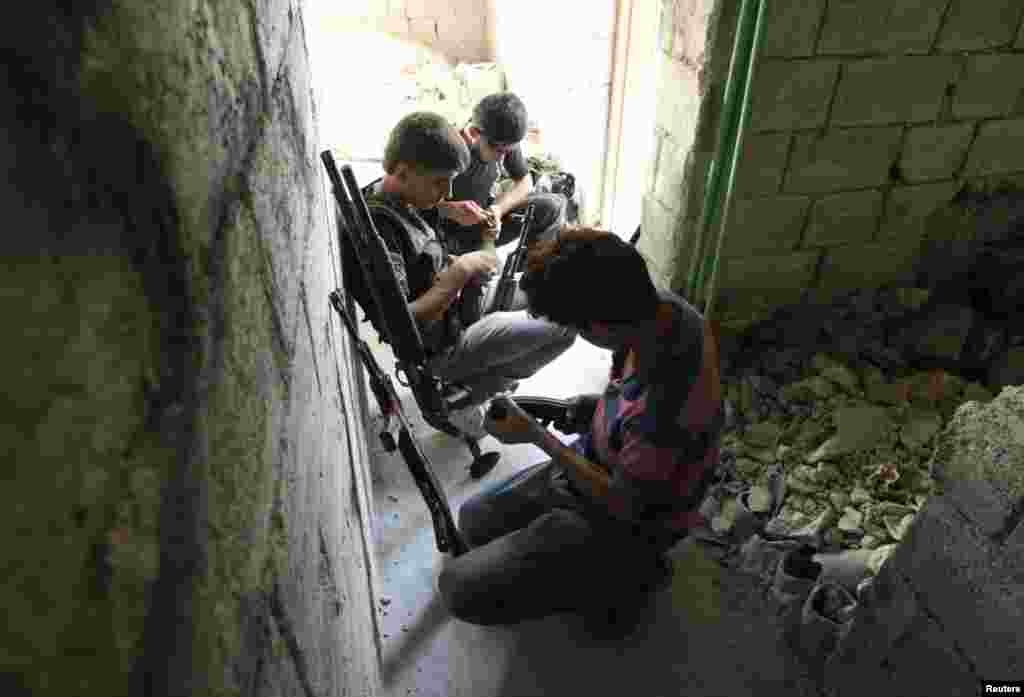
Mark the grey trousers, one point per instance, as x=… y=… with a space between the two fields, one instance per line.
x=501 y=347
x=539 y=549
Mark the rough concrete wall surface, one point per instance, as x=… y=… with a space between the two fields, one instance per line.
x=460 y=29
x=864 y=121
x=948 y=606
x=182 y=513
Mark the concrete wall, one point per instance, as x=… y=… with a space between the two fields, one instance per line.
x=948 y=608
x=459 y=29
x=182 y=515
x=865 y=120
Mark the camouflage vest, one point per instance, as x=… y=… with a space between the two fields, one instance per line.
x=423 y=256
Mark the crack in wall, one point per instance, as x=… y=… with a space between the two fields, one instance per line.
x=304 y=299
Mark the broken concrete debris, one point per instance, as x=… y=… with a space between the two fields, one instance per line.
x=833 y=450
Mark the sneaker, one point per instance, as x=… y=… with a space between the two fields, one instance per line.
x=470 y=420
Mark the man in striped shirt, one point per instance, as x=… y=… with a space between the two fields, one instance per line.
x=587 y=530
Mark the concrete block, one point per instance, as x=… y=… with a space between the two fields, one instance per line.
x=659 y=242
x=666 y=30
x=892 y=90
x=985 y=442
x=993 y=86
x=851 y=216
x=768 y=224
x=876 y=627
x=791 y=28
x=855 y=677
x=424 y=30
x=850 y=158
x=1015 y=541
x=678 y=98
x=753 y=281
x=926 y=662
x=965 y=583
x=762 y=163
x=462 y=36
x=935 y=152
x=908 y=207
x=420 y=8
x=981 y=503
x=975 y=26
x=865 y=266
x=790 y=95
x=690 y=26
x=902 y=26
x=668 y=182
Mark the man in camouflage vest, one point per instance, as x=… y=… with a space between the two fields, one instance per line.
x=423 y=155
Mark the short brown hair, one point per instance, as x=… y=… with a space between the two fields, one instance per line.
x=426 y=142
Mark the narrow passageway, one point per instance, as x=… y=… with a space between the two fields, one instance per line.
x=711 y=632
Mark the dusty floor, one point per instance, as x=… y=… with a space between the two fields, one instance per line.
x=713 y=632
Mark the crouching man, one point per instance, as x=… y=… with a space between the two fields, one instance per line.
x=494 y=136
x=587 y=531
x=423 y=155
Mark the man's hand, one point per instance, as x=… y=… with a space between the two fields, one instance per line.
x=510 y=424
x=494 y=218
x=465 y=213
x=481 y=263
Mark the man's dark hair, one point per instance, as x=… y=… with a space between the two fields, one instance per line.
x=501 y=117
x=426 y=142
x=587 y=275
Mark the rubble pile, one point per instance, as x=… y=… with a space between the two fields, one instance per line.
x=832 y=414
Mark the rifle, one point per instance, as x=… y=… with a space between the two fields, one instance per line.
x=567 y=415
x=372 y=253
x=506 y=287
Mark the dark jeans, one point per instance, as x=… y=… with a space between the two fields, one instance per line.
x=539 y=549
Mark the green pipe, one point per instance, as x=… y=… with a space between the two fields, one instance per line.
x=741 y=131
x=711 y=210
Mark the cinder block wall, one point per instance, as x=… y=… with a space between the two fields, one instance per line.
x=948 y=607
x=866 y=119
x=459 y=29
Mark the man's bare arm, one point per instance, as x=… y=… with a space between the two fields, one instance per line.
x=432 y=305
x=514 y=196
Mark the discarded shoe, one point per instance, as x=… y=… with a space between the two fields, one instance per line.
x=760 y=558
x=795 y=575
x=826 y=617
x=847 y=568
x=746 y=522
